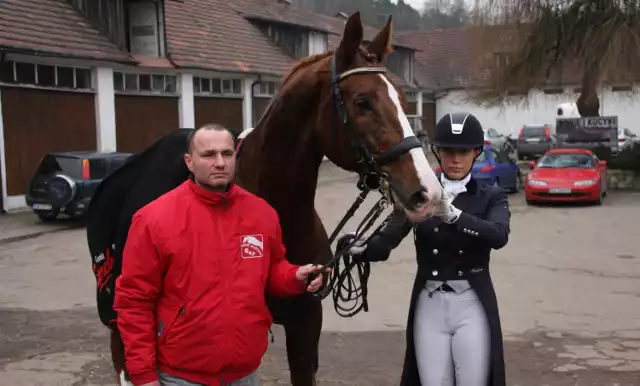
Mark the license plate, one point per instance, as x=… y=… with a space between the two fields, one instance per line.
x=42 y=206
x=560 y=190
x=534 y=140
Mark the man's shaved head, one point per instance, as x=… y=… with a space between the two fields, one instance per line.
x=208 y=126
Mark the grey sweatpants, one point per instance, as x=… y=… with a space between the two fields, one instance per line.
x=452 y=338
x=169 y=380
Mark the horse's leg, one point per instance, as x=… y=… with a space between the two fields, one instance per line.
x=302 y=329
x=117 y=356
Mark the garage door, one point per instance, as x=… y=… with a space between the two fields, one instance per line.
x=141 y=120
x=37 y=121
x=224 y=111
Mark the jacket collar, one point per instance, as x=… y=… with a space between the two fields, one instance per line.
x=213 y=198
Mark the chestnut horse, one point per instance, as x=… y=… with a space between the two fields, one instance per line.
x=339 y=104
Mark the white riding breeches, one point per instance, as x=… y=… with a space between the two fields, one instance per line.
x=452 y=339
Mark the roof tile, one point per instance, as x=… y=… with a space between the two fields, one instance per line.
x=54 y=27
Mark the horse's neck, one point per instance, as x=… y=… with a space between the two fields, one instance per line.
x=279 y=161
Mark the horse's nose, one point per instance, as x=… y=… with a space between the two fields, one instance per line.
x=418 y=199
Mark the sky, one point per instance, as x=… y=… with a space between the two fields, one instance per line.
x=417 y=4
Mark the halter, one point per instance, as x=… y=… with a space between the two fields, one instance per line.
x=370 y=178
x=368 y=166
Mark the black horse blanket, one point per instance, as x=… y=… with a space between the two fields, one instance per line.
x=143 y=178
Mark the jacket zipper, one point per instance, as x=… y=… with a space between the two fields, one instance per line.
x=227 y=263
x=175 y=320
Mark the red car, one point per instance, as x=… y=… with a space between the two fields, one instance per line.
x=566 y=175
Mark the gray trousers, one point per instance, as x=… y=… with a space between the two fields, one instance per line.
x=452 y=339
x=165 y=379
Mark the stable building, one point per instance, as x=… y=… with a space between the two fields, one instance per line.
x=113 y=75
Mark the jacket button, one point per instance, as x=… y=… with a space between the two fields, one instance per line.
x=435 y=229
x=435 y=251
x=459 y=273
x=434 y=273
x=460 y=252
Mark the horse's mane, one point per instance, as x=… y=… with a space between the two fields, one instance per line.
x=305 y=63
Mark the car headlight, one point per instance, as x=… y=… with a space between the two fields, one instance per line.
x=584 y=183
x=537 y=183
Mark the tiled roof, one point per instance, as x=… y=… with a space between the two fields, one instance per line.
x=213 y=34
x=226 y=40
x=444 y=55
x=53 y=27
x=452 y=57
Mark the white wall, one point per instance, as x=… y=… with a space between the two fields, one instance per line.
x=541 y=108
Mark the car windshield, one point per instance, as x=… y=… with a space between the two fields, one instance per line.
x=534 y=131
x=566 y=160
x=53 y=164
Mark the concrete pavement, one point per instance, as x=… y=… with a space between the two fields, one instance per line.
x=567 y=287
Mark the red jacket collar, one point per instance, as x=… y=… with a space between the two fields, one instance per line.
x=213 y=198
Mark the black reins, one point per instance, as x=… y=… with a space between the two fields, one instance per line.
x=342 y=282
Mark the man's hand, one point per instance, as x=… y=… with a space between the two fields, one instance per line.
x=303 y=273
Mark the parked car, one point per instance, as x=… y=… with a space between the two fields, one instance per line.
x=64 y=182
x=567 y=174
x=494 y=167
x=535 y=140
x=493 y=137
x=625 y=138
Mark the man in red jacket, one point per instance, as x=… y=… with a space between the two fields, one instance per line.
x=197 y=262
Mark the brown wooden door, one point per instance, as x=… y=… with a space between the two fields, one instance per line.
x=141 y=120
x=429 y=118
x=259 y=107
x=224 y=111
x=40 y=121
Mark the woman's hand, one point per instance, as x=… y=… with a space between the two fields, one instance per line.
x=443 y=209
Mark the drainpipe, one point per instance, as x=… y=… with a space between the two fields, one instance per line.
x=253 y=105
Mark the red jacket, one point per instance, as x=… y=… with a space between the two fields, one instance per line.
x=191 y=296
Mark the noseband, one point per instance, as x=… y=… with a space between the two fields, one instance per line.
x=371 y=178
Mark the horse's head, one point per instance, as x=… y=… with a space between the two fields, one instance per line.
x=367 y=129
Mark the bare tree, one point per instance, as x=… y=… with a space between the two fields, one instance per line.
x=544 y=41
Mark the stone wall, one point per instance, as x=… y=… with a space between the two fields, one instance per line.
x=622 y=179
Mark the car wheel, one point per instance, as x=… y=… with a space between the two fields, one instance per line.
x=518 y=186
x=48 y=215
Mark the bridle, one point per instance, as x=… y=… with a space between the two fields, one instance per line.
x=371 y=177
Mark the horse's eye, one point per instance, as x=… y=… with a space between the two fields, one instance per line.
x=363 y=104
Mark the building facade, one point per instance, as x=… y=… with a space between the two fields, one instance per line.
x=114 y=75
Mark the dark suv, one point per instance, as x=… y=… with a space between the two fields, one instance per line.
x=65 y=182
x=535 y=140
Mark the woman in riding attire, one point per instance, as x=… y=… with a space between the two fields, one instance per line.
x=453 y=330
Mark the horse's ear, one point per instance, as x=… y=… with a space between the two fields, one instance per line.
x=381 y=44
x=350 y=43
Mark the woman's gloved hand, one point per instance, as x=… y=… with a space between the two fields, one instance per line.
x=443 y=209
x=357 y=250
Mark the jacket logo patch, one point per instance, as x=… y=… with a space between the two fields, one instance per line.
x=251 y=246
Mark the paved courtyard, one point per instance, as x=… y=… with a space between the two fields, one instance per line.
x=568 y=286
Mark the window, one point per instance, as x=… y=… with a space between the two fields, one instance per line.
x=266 y=89
x=566 y=160
x=154 y=83
x=46 y=75
x=217 y=86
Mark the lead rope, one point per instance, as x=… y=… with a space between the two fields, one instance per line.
x=342 y=282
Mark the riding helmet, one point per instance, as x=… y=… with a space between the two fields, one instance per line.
x=459 y=130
